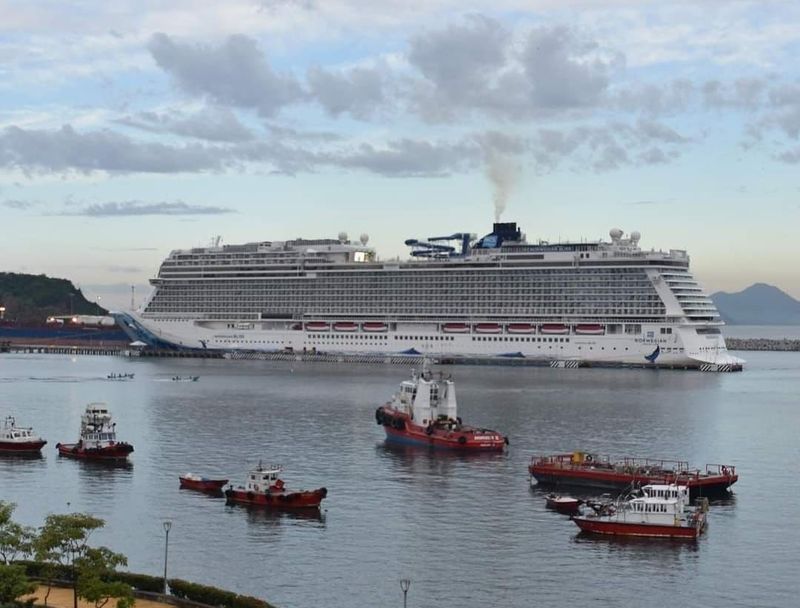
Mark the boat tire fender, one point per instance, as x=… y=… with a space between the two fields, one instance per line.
x=462 y=440
x=429 y=429
x=379 y=416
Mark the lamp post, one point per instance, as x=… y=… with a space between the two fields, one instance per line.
x=405 y=583
x=167 y=525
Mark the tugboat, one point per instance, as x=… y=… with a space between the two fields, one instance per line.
x=585 y=469
x=424 y=412
x=19 y=440
x=661 y=511
x=190 y=481
x=265 y=488
x=98 y=440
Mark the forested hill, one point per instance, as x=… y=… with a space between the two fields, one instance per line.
x=30 y=298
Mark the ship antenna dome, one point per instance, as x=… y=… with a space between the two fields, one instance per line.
x=635 y=236
x=615 y=234
x=364 y=238
x=342 y=237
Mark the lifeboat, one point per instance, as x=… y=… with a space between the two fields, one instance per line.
x=593 y=329
x=424 y=413
x=317 y=326
x=190 y=481
x=265 y=488
x=345 y=326
x=374 y=327
x=521 y=328
x=487 y=328
x=661 y=511
x=455 y=328
x=554 y=328
x=18 y=440
x=98 y=437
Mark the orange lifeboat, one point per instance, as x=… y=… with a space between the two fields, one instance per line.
x=521 y=328
x=345 y=326
x=455 y=328
x=487 y=328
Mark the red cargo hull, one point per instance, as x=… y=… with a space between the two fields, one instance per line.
x=616 y=528
x=309 y=499
x=400 y=428
x=27 y=447
x=118 y=451
x=561 y=469
x=203 y=485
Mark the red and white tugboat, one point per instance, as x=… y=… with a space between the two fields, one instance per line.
x=190 y=481
x=265 y=488
x=98 y=440
x=424 y=412
x=661 y=511
x=18 y=440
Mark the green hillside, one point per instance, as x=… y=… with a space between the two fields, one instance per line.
x=29 y=299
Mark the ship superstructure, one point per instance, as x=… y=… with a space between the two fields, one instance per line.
x=604 y=302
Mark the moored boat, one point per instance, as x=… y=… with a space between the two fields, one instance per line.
x=19 y=440
x=661 y=511
x=98 y=437
x=265 y=488
x=584 y=469
x=191 y=481
x=424 y=412
x=568 y=505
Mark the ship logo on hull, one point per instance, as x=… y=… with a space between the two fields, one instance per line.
x=654 y=355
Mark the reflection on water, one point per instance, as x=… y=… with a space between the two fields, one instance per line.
x=466 y=528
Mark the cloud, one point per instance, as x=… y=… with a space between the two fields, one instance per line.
x=236 y=73
x=209 y=124
x=358 y=91
x=124 y=269
x=565 y=70
x=18 y=204
x=138 y=208
x=66 y=149
x=409 y=158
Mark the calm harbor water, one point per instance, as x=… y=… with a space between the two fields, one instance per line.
x=468 y=531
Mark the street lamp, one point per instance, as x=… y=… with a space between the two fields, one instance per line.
x=167 y=525
x=405 y=583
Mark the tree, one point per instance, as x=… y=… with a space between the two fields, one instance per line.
x=93 y=585
x=14 y=583
x=64 y=539
x=15 y=539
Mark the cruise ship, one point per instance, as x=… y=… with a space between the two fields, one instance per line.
x=497 y=298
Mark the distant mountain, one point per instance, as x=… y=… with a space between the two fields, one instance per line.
x=31 y=298
x=759 y=304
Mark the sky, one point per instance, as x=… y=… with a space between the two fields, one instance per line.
x=132 y=128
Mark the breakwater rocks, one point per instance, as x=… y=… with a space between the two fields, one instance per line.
x=784 y=344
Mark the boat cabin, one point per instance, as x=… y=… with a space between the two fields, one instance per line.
x=97 y=430
x=12 y=431
x=264 y=479
x=427 y=398
x=662 y=504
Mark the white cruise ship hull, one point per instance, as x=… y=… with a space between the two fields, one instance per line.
x=683 y=347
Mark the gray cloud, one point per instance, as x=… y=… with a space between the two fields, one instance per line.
x=124 y=269
x=409 y=158
x=209 y=124
x=138 y=208
x=66 y=149
x=18 y=204
x=359 y=91
x=564 y=70
x=235 y=73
